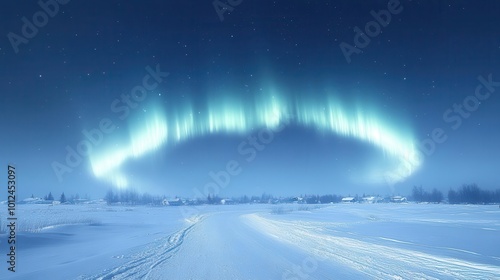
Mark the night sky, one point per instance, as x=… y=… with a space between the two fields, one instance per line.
x=156 y=96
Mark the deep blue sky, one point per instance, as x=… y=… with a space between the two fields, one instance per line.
x=427 y=59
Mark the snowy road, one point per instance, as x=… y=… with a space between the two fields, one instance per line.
x=374 y=261
x=154 y=255
x=265 y=242
x=243 y=244
x=219 y=245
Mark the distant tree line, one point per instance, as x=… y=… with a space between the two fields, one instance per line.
x=213 y=199
x=472 y=194
x=418 y=194
x=467 y=194
x=270 y=199
x=47 y=197
x=323 y=199
x=63 y=199
x=132 y=197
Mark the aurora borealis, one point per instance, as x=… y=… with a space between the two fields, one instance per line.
x=156 y=96
x=233 y=117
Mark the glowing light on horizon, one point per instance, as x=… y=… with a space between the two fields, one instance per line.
x=238 y=117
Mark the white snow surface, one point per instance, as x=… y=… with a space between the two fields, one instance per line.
x=339 y=241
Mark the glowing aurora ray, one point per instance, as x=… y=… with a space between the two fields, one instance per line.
x=230 y=116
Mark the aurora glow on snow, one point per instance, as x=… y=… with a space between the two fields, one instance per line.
x=229 y=116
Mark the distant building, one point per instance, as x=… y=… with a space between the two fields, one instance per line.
x=368 y=199
x=174 y=202
x=398 y=199
x=371 y=199
x=80 y=200
x=192 y=202
x=226 y=201
x=34 y=200
x=348 y=199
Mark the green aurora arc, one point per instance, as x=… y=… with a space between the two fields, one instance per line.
x=230 y=116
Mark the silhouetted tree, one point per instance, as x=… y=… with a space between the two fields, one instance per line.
x=420 y=195
x=49 y=196
x=147 y=198
x=472 y=194
x=417 y=194
x=110 y=197
x=436 y=196
x=330 y=198
x=453 y=197
x=63 y=198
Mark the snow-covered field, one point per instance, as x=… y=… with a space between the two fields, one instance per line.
x=341 y=241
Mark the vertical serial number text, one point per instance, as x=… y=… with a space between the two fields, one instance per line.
x=11 y=217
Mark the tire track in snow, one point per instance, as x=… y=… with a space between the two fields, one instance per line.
x=144 y=262
x=374 y=260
